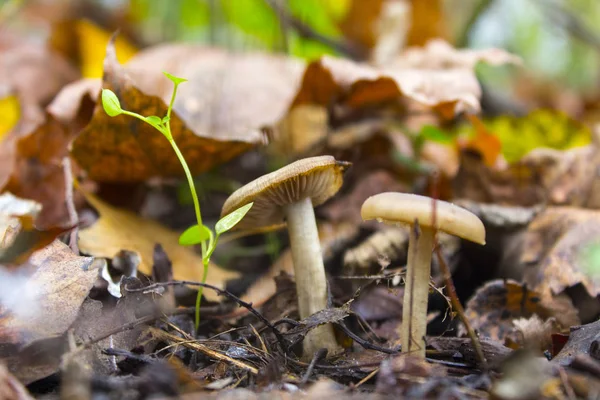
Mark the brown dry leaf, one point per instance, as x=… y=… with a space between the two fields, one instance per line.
x=46 y=303
x=37 y=172
x=31 y=70
x=561 y=251
x=74 y=105
x=360 y=22
x=123 y=149
x=495 y=306
x=118 y=230
x=542 y=176
x=227 y=96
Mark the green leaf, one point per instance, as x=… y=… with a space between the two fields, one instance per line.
x=174 y=79
x=195 y=235
x=231 y=220
x=166 y=119
x=111 y=104
x=435 y=135
x=154 y=121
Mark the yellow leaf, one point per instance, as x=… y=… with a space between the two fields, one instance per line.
x=118 y=230
x=10 y=112
x=92 y=48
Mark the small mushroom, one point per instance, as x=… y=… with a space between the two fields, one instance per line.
x=290 y=193
x=394 y=208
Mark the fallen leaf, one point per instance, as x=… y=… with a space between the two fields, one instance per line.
x=483 y=141
x=493 y=308
x=561 y=250
x=12 y=207
x=32 y=71
x=360 y=22
x=28 y=240
x=118 y=230
x=60 y=282
x=38 y=172
x=542 y=176
x=123 y=149
x=583 y=339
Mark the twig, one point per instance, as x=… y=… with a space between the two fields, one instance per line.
x=365 y=343
x=202 y=348
x=366 y=378
x=73 y=217
x=220 y=292
x=308 y=32
x=319 y=355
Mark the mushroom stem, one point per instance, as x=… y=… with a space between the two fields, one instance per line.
x=416 y=291
x=309 y=271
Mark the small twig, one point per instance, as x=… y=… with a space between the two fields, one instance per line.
x=308 y=32
x=366 y=378
x=365 y=343
x=202 y=348
x=70 y=203
x=225 y=293
x=319 y=355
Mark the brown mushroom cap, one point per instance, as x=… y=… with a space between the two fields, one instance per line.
x=317 y=178
x=404 y=208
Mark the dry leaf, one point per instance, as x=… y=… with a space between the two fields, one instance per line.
x=31 y=71
x=118 y=230
x=427 y=21
x=10 y=387
x=37 y=172
x=123 y=149
x=495 y=306
x=484 y=142
x=227 y=96
x=46 y=303
x=561 y=249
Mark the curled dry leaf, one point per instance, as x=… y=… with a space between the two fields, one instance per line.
x=118 y=230
x=212 y=122
x=497 y=304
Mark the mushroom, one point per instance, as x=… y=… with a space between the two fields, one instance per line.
x=290 y=193
x=417 y=211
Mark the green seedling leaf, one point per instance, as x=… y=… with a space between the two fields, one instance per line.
x=195 y=235
x=174 y=79
x=166 y=119
x=231 y=220
x=111 y=103
x=154 y=121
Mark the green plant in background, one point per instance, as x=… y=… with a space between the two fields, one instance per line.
x=199 y=233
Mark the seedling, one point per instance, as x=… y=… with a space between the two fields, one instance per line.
x=199 y=233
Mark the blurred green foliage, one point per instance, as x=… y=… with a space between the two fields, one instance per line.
x=247 y=24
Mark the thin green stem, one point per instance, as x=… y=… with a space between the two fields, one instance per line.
x=205 y=255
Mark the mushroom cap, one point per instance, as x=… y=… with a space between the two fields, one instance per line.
x=317 y=178
x=405 y=208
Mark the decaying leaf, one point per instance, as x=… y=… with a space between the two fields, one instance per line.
x=561 y=250
x=46 y=303
x=584 y=339
x=118 y=230
x=497 y=304
x=123 y=149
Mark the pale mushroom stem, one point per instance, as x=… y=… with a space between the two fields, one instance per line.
x=309 y=271
x=416 y=291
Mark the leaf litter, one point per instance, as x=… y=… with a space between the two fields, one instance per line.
x=112 y=313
